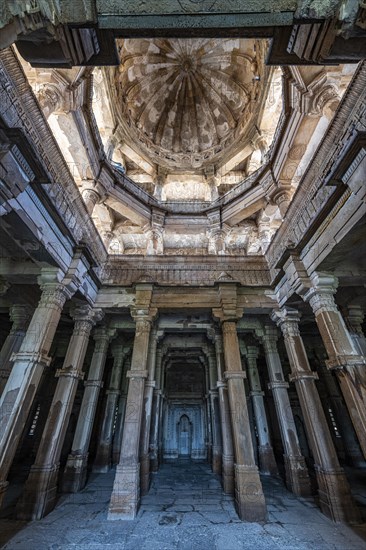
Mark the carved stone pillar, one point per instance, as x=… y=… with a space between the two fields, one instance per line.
x=126 y=489
x=146 y=416
x=103 y=459
x=74 y=477
x=40 y=492
x=20 y=316
x=334 y=493
x=117 y=440
x=355 y=317
x=28 y=365
x=342 y=352
x=215 y=415
x=91 y=197
x=267 y=461
x=226 y=429
x=297 y=477
x=349 y=439
x=249 y=498
x=282 y=199
x=155 y=414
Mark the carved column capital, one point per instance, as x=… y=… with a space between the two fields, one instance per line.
x=19 y=315
x=4 y=286
x=355 y=317
x=90 y=196
x=288 y=320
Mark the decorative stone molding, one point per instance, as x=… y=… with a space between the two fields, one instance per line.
x=94 y=383
x=70 y=372
x=229 y=374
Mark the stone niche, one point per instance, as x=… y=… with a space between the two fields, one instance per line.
x=185 y=420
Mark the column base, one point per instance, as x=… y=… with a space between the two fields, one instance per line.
x=228 y=483
x=102 y=462
x=267 y=461
x=335 y=499
x=115 y=457
x=144 y=474
x=297 y=476
x=3 y=488
x=216 y=460
x=75 y=473
x=40 y=493
x=154 y=462
x=249 y=499
x=125 y=497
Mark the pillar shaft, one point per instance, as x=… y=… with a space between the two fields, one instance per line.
x=74 y=477
x=39 y=495
x=155 y=415
x=267 y=460
x=334 y=492
x=226 y=429
x=343 y=355
x=215 y=416
x=355 y=317
x=126 y=489
x=297 y=477
x=349 y=439
x=146 y=416
x=103 y=459
x=29 y=363
x=20 y=316
x=249 y=498
x=117 y=439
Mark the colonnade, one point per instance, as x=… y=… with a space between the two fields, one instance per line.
x=131 y=423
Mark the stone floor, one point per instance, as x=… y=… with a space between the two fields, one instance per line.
x=184 y=510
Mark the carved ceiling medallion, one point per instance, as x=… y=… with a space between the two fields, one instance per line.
x=187 y=102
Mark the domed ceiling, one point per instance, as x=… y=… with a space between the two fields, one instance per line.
x=190 y=103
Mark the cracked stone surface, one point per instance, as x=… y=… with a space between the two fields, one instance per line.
x=185 y=509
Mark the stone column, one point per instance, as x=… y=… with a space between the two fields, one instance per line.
x=342 y=352
x=74 y=476
x=126 y=489
x=334 y=493
x=40 y=492
x=207 y=424
x=156 y=414
x=267 y=461
x=355 y=317
x=20 y=316
x=103 y=459
x=226 y=429
x=297 y=477
x=215 y=414
x=146 y=416
x=249 y=498
x=90 y=196
x=349 y=439
x=28 y=365
x=117 y=440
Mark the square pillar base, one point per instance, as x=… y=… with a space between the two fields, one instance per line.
x=75 y=474
x=249 y=499
x=144 y=474
x=267 y=461
x=335 y=497
x=125 y=497
x=228 y=483
x=297 y=476
x=40 y=493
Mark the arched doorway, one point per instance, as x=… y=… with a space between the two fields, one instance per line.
x=184 y=437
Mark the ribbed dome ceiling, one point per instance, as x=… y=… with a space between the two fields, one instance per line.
x=186 y=101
